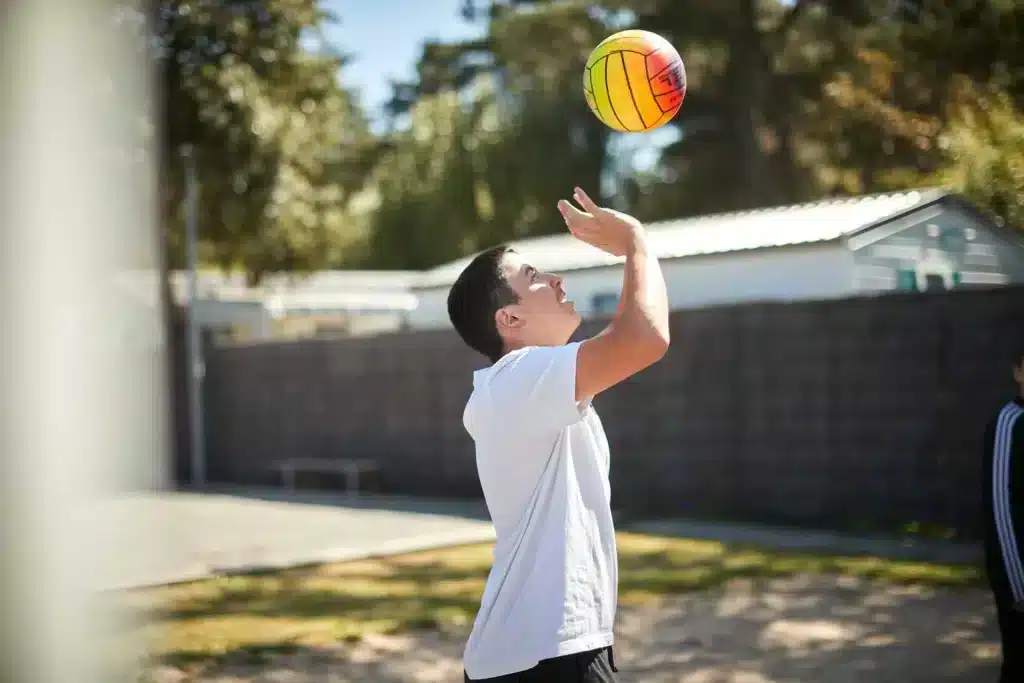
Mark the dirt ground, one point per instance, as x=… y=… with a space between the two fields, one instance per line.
x=808 y=629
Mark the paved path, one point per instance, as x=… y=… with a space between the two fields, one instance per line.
x=170 y=537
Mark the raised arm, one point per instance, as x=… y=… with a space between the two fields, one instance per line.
x=638 y=335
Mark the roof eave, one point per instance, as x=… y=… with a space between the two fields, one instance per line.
x=836 y=240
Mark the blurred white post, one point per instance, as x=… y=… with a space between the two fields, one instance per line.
x=194 y=347
x=82 y=390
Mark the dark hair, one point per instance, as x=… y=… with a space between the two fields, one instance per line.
x=478 y=293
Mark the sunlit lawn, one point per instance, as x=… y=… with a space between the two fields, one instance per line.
x=200 y=621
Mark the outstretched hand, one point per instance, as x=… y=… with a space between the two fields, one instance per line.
x=607 y=229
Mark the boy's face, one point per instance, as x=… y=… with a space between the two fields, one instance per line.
x=1018 y=374
x=544 y=315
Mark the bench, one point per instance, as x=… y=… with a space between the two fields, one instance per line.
x=352 y=469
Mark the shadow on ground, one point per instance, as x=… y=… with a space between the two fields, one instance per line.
x=756 y=628
x=812 y=629
x=425 y=656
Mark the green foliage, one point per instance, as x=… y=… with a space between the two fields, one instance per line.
x=904 y=109
x=984 y=151
x=427 y=207
x=498 y=132
x=278 y=142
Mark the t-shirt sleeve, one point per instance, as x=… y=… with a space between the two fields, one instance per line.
x=536 y=389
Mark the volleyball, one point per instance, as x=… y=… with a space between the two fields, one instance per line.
x=635 y=81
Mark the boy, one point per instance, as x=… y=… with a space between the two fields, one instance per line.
x=548 y=608
x=1004 y=524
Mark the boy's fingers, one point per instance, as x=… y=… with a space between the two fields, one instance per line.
x=585 y=201
x=570 y=213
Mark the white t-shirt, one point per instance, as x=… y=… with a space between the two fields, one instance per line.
x=543 y=463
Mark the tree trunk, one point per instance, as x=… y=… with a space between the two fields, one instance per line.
x=746 y=79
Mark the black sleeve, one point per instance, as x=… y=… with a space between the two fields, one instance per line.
x=1017 y=482
x=1015 y=450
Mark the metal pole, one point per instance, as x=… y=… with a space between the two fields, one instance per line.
x=194 y=351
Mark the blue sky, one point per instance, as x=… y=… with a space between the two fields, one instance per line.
x=385 y=37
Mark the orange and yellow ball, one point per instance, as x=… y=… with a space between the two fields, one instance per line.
x=635 y=81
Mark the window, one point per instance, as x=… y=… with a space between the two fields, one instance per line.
x=604 y=303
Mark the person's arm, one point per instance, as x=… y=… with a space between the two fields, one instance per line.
x=618 y=308
x=1016 y=486
x=638 y=335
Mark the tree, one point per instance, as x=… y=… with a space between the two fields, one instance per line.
x=500 y=131
x=935 y=99
x=983 y=150
x=890 y=104
x=749 y=124
x=279 y=143
x=428 y=205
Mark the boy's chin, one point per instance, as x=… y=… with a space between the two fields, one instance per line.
x=574 y=326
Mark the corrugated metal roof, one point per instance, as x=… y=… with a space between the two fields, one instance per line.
x=214 y=283
x=815 y=222
x=333 y=280
x=351 y=302
x=335 y=290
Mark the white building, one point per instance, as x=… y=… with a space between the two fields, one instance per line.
x=346 y=302
x=821 y=250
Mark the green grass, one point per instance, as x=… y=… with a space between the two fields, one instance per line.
x=259 y=615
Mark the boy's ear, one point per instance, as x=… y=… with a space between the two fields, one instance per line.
x=506 y=318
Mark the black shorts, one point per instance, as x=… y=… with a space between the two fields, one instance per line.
x=1011 y=630
x=595 y=666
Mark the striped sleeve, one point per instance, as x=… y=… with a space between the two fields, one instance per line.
x=1007 y=493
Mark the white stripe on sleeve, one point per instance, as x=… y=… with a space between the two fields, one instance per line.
x=1002 y=452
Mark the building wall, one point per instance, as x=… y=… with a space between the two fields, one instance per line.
x=779 y=274
x=863 y=413
x=218 y=314
x=797 y=273
x=940 y=247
